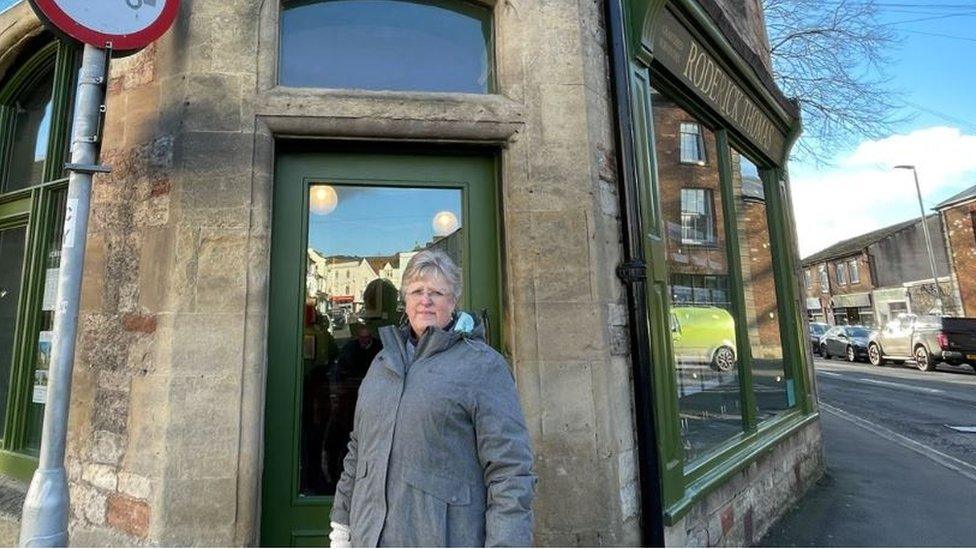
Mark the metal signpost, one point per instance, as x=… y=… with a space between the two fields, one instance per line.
x=103 y=26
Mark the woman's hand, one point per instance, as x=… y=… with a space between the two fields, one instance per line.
x=339 y=537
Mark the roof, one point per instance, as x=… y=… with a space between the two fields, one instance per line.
x=854 y=245
x=380 y=261
x=966 y=195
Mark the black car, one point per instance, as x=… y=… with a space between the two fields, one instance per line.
x=817 y=331
x=850 y=342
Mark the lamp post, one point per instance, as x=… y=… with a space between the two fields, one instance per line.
x=925 y=231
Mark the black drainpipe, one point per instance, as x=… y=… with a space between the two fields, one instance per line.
x=633 y=272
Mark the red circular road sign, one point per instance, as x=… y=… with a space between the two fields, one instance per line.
x=123 y=24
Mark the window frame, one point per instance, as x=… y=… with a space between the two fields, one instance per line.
x=491 y=85
x=702 y=157
x=708 y=199
x=853 y=271
x=840 y=272
x=683 y=484
x=32 y=205
x=808 y=279
x=824 y=273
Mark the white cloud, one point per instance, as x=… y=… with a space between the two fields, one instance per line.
x=863 y=192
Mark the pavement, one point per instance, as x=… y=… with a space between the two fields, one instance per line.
x=897 y=475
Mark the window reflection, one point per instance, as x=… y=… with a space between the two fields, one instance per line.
x=703 y=325
x=31 y=128
x=771 y=386
x=436 y=46
x=360 y=239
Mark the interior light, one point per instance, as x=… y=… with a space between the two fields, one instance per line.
x=322 y=199
x=444 y=223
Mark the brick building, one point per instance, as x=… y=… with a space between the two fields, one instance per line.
x=871 y=278
x=958 y=214
x=617 y=174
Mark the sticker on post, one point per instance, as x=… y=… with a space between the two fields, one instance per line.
x=50 y=289
x=70 y=221
x=42 y=367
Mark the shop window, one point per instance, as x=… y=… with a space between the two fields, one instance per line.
x=29 y=115
x=854 y=271
x=703 y=326
x=409 y=45
x=34 y=125
x=697 y=217
x=824 y=279
x=772 y=388
x=840 y=272
x=692 y=143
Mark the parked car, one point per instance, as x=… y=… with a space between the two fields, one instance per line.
x=927 y=339
x=817 y=331
x=850 y=342
x=704 y=334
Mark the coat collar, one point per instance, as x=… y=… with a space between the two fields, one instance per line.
x=432 y=342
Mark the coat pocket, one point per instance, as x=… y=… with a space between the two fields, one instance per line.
x=448 y=490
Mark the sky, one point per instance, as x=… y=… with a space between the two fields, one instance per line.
x=380 y=220
x=933 y=67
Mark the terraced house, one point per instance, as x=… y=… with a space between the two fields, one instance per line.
x=611 y=176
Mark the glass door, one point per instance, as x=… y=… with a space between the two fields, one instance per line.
x=344 y=227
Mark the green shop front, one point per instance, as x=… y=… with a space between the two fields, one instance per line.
x=705 y=137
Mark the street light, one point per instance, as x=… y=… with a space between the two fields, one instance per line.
x=925 y=231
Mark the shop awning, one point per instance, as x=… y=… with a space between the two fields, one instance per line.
x=851 y=300
x=813 y=304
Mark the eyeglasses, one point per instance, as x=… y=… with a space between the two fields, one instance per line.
x=433 y=294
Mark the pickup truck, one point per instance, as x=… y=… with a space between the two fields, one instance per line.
x=926 y=339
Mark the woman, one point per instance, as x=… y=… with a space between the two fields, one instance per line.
x=439 y=454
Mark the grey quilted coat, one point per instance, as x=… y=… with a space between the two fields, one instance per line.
x=439 y=454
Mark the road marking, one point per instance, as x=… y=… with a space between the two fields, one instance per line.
x=963 y=428
x=900 y=385
x=965 y=469
x=830 y=374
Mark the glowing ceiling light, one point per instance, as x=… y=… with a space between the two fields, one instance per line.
x=444 y=223
x=322 y=199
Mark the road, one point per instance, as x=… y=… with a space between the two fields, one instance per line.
x=897 y=473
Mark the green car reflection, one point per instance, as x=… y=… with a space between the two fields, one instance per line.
x=704 y=335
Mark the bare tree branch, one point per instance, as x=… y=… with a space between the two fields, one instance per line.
x=831 y=56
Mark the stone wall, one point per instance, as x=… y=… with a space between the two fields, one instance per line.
x=166 y=436
x=960 y=230
x=743 y=509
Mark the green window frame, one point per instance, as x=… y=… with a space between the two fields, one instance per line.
x=684 y=483
x=37 y=207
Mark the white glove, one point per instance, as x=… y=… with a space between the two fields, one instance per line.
x=339 y=537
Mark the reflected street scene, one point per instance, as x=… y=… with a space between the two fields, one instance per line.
x=360 y=239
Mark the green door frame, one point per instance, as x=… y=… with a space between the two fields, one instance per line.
x=288 y=518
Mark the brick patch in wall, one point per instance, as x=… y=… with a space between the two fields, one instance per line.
x=133 y=322
x=128 y=515
x=728 y=517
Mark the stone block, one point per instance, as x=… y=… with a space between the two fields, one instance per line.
x=561 y=264
x=93 y=281
x=128 y=515
x=100 y=476
x=107 y=447
x=111 y=411
x=199 y=505
x=207 y=344
x=221 y=270
x=570 y=331
x=213 y=103
x=155 y=260
x=135 y=486
x=571 y=479
x=568 y=412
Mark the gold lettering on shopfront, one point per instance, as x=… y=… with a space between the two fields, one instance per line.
x=710 y=81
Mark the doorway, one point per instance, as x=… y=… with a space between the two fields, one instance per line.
x=344 y=226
